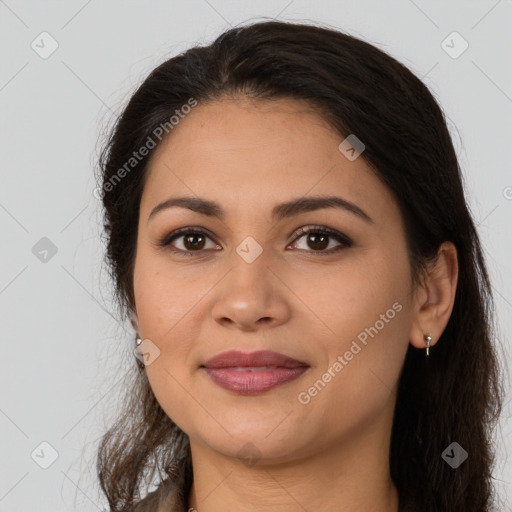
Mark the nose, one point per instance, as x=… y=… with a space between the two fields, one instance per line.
x=251 y=297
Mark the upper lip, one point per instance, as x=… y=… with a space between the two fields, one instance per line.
x=236 y=358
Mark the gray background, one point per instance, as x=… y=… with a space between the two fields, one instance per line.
x=64 y=354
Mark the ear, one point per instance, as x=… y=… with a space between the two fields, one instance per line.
x=434 y=300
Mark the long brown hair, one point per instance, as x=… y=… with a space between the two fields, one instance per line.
x=358 y=89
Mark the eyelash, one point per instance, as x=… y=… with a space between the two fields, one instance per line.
x=322 y=230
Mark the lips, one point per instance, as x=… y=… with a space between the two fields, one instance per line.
x=262 y=358
x=252 y=373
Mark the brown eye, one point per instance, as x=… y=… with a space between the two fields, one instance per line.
x=319 y=238
x=187 y=240
x=193 y=241
x=317 y=241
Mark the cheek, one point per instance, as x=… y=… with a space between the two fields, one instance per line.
x=363 y=313
x=166 y=314
x=165 y=297
x=343 y=300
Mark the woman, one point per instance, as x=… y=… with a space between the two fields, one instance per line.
x=288 y=233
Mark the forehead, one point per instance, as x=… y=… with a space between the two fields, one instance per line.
x=249 y=152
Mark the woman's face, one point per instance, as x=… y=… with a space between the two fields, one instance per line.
x=251 y=282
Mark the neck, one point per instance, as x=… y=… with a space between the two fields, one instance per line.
x=350 y=476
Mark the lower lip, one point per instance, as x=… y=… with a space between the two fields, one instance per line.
x=247 y=382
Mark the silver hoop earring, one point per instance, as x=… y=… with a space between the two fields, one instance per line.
x=138 y=341
x=428 y=339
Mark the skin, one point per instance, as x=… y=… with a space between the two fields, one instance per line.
x=331 y=453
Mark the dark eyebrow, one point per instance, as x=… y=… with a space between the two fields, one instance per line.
x=279 y=212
